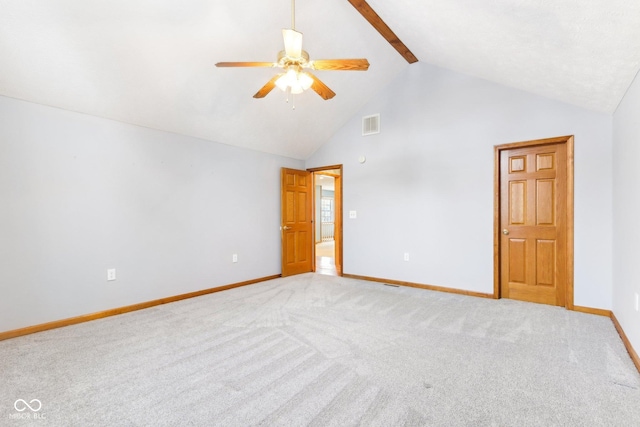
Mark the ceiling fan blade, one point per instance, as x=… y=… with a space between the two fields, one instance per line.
x=374 y=19
x=340 y=64
x=264 y=91
x=292 y=43
x=246 y=64
x=321 y=88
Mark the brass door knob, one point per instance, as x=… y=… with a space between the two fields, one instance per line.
x=505 y=232
x=286 y=227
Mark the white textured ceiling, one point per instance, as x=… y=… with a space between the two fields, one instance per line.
x=151 y=62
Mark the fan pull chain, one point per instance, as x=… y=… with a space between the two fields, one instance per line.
x=293 y=101
x=293 y=14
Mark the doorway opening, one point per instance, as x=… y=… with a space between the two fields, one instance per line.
x=325 y=225
x=328 y=220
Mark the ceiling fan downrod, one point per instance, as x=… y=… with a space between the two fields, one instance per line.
x=293 y=14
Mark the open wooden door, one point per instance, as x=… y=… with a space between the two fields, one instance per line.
x=297 y=222
x=338 y=223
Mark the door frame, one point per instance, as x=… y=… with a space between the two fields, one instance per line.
x=568 y=140
x=337 y=232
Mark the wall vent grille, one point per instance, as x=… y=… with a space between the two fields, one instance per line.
x=371 y=124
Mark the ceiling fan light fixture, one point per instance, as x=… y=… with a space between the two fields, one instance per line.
x=297 y=81
x=282 y=83
x=288 y=80
x=292 y=60
x=305 y=80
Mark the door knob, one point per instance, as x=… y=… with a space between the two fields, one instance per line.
x=505 y=232
x=286 y=227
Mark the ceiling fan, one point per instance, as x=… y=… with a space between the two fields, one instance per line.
x=295 y=62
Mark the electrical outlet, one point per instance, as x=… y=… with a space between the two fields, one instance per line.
x=234 y=258
x=637 y=301
x=111 y=274
x=353 y=215
x=406 y=256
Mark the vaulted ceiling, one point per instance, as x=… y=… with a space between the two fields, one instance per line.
x=151 y=62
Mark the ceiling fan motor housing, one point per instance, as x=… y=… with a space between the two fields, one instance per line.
x=284 y=61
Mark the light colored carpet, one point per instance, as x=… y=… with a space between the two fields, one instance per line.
x=326 y=351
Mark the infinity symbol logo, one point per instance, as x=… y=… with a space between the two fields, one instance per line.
x=21 y=403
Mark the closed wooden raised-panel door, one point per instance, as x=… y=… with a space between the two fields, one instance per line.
x=533 y=243
x=297 y=222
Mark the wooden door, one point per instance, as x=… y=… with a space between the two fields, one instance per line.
x=533 y=223
x=297 y=222
x=337 y=233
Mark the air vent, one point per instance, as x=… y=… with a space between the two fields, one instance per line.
x=371 y=125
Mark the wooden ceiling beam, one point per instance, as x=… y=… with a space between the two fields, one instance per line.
x=374 y=19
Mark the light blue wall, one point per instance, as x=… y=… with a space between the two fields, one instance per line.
x=426 y=187
x=80 y=194
x=626 y=213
